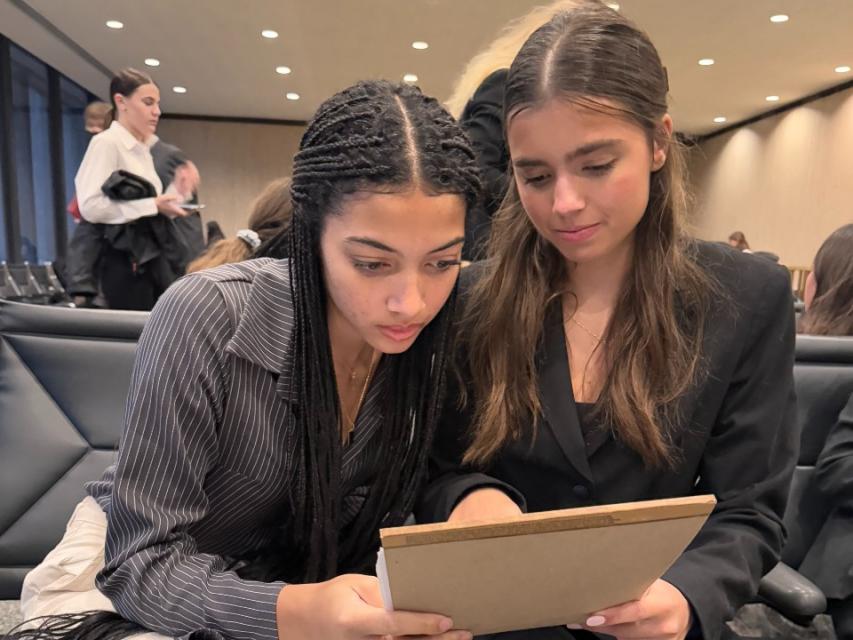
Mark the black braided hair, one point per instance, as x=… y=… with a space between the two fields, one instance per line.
x=372 y=137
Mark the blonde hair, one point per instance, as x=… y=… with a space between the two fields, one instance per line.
x=501 y=52
x=271 y=212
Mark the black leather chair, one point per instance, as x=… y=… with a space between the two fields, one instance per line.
x=823 y=378
x=64 y=377
x=33 y=283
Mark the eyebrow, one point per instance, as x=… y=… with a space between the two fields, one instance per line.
x=581 y=151
x=375 y=244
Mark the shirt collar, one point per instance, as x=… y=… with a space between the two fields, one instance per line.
x=128 y=139
x=265 y=327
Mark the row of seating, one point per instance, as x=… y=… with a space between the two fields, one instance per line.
x=64 y=378
x=32 y=283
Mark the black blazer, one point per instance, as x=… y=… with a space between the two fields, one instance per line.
x=737 y=439
x=829 y=561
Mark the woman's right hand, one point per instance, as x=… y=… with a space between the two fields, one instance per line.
x=167 y=205
x=350 y=607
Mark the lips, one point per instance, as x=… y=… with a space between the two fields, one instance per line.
x=579 y=233
x=400 y=332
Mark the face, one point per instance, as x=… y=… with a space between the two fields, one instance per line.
x=390 y=262
x=583 y=176
x=140 y=111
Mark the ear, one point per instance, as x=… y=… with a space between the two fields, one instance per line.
x=119 y=100
x=661 y=144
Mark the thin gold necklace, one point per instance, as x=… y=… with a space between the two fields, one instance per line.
x=592 y=333
x=347 y=422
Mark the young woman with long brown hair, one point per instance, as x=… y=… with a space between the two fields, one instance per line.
x=829 y=287
x=608 y=356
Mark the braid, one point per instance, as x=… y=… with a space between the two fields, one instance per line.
x=358 y=142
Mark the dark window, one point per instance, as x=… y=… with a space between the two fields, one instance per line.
x=75 y=139
x=30 y=123
x=3 y=212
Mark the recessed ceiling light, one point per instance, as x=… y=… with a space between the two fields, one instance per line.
x=115 y=24
x=613 y=5
x=842 y=69
x=179 y=89
x=152 y=62
x=772 y=98
x=282 y=70
x=292 y=96
x=781 y=17
x=720 y=119
x=420 y=44
x=706 y=62
x=269 y=33
x=410 y=77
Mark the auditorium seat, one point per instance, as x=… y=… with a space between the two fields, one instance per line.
x=823 y=379
x=64 y=377
x=33 y=283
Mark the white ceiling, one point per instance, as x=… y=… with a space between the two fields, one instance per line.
x=214 y=48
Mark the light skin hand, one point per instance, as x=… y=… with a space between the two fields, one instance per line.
x=661 y=614
x=187 y=179
x=484 y=504
x=349 y=607
x=166 y=204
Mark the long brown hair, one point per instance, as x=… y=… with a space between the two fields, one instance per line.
x=271 y=212
x=651 y=347
x=831 y=310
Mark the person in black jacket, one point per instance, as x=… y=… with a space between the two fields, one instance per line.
x=477 y=102
x=609 y=357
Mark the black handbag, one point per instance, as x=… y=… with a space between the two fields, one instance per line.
x=124 y=185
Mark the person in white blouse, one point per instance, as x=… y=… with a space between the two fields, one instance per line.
x=126 y=145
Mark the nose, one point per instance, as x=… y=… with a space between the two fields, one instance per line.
x=407 y=298
x=157 y=111
x=567 y=197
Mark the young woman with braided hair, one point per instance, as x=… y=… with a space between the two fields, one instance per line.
x=281 y=409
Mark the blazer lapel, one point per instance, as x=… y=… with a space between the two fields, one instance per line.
x=555 y=392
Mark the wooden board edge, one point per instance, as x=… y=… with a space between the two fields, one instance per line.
x=549 y=521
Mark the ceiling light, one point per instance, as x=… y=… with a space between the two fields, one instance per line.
x=842 y=69
x=410 y=77
x=772 y=98
x=152 y=62
x=613 y=5
x=419 y=44
x=779 y=18
x=292 y=96
x=179 y=89
x=269 y=33
x=282 y=70
x=115 y=24
x=720 y=119
x=706 y=62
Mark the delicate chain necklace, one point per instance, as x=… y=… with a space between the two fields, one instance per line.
x=592 y=333
x=347 y=422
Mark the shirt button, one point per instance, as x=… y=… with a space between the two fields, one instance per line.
x=580 y=491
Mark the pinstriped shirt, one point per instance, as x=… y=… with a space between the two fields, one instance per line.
x=205 y=464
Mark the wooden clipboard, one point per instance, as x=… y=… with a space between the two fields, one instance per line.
x=536 y=570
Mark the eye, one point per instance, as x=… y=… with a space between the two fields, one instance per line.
x=369 y=266
x=444 y=265
x=534 y=181
x=599 y=169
